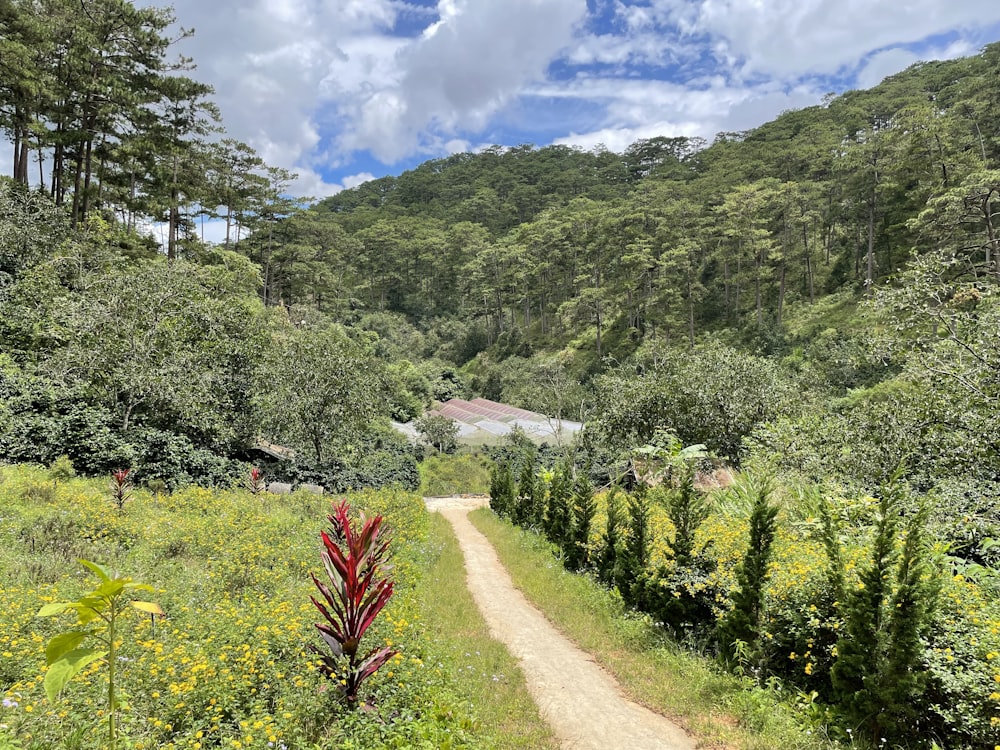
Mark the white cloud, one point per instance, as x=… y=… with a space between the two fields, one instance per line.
x=618 y=139
x=788 y=38
x=460 y=72
x=357 y=179
x=308 y=83
x=883 y=64
x=644 y=109
x=268 y=60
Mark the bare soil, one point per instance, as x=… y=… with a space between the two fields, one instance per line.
x=583 y=703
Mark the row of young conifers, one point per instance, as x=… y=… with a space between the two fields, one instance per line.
x=844 y=599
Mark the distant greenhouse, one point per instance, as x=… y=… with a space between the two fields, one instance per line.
x=484 y=422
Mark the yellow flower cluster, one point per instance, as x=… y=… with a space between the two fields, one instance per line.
x=229 y=665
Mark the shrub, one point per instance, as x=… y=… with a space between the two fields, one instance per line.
x=121 y=488
x=682 y=594
x=560 y=491
x=878 y=676
x=502 y=492
x=742 y=624
x=354 y=559
x=527 y=505
x=454 y=475
x=631 y=567
x=61 y=469
x=577 y=549
x=608 y=559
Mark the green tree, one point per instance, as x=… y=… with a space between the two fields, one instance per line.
x=439 y=431
x=167 y=344
x=743 y=623
x=577 y=547
x=714 y=395
x=322 y=391
x=877 y=676
x=608 y=560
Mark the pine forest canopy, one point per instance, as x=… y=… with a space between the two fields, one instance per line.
x=809 y=256
x=91 y=97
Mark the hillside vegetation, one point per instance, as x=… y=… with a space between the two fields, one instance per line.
x=817 y=299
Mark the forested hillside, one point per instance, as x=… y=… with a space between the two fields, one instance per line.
x=817 y=299
x=818 y=291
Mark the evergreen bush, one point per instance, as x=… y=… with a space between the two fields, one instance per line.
x=742 y=624
x=879 y=675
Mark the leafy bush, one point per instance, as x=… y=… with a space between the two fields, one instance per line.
x=714 y=396
x=375 y=465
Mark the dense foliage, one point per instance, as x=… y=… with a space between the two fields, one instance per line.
x=852 y=609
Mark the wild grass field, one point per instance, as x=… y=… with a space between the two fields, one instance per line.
x=229 y=665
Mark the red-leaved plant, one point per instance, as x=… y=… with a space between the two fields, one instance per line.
x=121 y=487
x=255 y=480
x=359 y=588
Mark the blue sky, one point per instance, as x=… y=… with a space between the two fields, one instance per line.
x=341 y=91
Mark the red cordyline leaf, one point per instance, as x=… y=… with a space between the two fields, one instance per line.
x=358 y=590
x=121 y=476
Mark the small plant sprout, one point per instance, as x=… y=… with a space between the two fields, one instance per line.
x=359 y=588
x=121 y=487
x=98 y=615
x=255 y=480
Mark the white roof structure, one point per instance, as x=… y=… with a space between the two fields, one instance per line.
x=484 y=422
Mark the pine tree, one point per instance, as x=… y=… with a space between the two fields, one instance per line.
x=687 y=512
x=501 y=489
x=742 y=623
x=584 y=508
x=557 y=520
x=526 y=504
x=630 y=575
x=877 y=677
x=612 y=538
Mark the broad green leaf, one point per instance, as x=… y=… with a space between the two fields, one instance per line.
x=151 y=607
x=88 y=610
x=138 y=586
x=62 y=644
x=99 y=570
x=110 y=589
x=62 y=671
x=55 y=608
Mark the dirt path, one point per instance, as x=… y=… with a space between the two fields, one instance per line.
x=581 y=701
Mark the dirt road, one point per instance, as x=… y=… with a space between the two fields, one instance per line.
x=581 y=701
